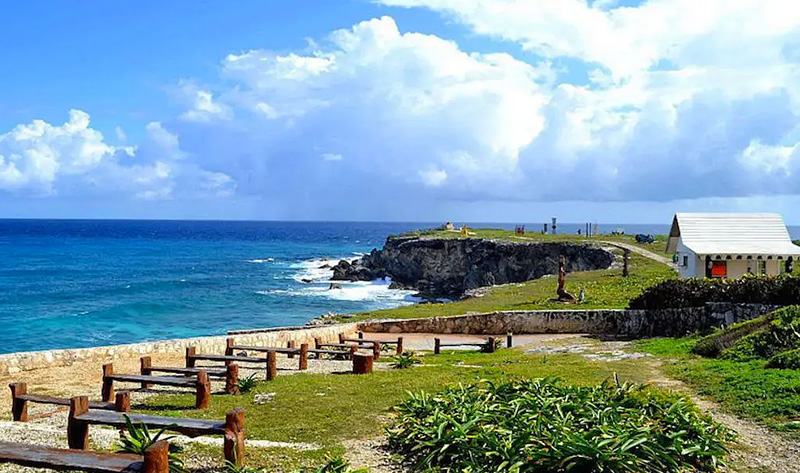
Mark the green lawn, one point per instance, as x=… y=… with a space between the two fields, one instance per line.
x=658 y=247
x=331 y=409
x=770 y=396
x=604 y=289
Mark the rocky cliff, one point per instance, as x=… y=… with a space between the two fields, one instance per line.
x=445 y=267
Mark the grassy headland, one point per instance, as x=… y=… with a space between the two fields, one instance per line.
x=604 y=288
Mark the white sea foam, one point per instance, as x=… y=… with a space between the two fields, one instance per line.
x=261 y=261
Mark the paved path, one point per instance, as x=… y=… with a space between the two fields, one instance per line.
x=641 y=251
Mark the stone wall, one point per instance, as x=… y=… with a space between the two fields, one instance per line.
x=26 y=361
x=628 y=323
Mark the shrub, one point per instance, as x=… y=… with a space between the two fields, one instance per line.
x=406 y=360
x=545 y=426
x=245 y=385
x=678 y=293
x=137 y=438
x=335 y=464
x=788 y=360
x=712 y=345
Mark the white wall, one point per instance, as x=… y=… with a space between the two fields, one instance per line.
x=696 y=267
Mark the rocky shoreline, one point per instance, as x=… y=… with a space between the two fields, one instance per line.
x=450 y=267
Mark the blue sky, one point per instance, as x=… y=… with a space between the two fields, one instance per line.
x=488 y=110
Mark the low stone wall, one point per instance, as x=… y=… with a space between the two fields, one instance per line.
x=26 y=361
x=628 y=323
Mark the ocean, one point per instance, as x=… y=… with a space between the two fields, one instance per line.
x=83 y=283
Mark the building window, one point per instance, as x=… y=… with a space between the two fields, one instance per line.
x=685 y=261
x=762 y=268
x=719 y=269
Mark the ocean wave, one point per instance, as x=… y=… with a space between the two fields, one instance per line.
x=261 y=261
x=313 y=270
x=375 y=291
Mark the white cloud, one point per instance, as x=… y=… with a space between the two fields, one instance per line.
x=332 y=157
x=41 y=159
x=433 y=177
x=203 y=106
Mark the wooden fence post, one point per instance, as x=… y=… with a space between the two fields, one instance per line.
x=362 y=363
x=509 y=340
x=341 y=338
x=437 y=346
x=229 y=344
x=122 y=402
x=353 y=351
x=272 y=365
x=491 y=344
x=360 y=334
x=191 y=352
x=317 y=345
x=303 y=356
x=145 y=363
x=156 y=458
x=291 y=344
x=232 y=379
x=399 y=346
x=19 y=407
x=234 y=436
x=78 y=431
x=203 y=390
x=108 y=383
x=376 y=350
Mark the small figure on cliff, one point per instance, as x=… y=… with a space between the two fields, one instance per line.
x=563 y=295
x=581 y=296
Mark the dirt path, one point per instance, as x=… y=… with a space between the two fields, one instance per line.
x=758 y=448
x=641 y=251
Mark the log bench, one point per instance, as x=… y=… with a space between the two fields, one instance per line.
x=290 y=351
x=361 y=343
x=200 y=384
x=230 y=373
x=155 y=459
x=232 y=429
x=271 y=360
x=488 y=345
x=20 y=400
x=346 y=350
x=398 y=343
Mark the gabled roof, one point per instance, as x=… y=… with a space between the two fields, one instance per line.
x=729 y=233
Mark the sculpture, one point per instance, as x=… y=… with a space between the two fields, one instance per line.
x=563 y=295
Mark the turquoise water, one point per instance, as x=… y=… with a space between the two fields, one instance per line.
x=91 y=283
x=66 y=284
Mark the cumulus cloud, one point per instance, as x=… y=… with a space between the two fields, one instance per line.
x=607 y=103
x=42 y=159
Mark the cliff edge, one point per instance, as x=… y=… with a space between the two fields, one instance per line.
x=448 y=267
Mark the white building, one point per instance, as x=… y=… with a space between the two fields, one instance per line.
x=730 y=245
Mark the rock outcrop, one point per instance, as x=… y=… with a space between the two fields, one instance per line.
x=448 y=267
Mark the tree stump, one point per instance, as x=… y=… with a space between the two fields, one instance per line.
x=232 y=379
x=362 y=363
x=272 y=365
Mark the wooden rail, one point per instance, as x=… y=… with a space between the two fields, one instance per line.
x=375 y=345
x=154 y=460
x=320 y=348
x=232 y=429
x=271 y=360
x=230 y=373
x=200 y=384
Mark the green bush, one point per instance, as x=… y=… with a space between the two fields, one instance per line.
x=546 y=426
x=136 y=438
x=677 y=293
x=335 y=464
x=712 y=345
x=781 y=334
x=788 y=360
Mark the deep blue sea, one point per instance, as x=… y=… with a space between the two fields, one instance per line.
x=71 y=283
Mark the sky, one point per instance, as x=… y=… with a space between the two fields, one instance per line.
x=399 y=110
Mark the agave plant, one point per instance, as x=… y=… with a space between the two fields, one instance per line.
x=232 y=467
x=335 y=464
x=137 y=438
x=487 y=348
x=247 y=384
x=535 y=426
x=405 y=360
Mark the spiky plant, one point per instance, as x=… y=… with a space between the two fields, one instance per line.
x=137 y=439
x=405 y=360
x=335 y=464
x=247 y=384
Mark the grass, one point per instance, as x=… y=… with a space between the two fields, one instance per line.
x=604 y=289
x=332 y=409
x=659 y=246
x=748 y=389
